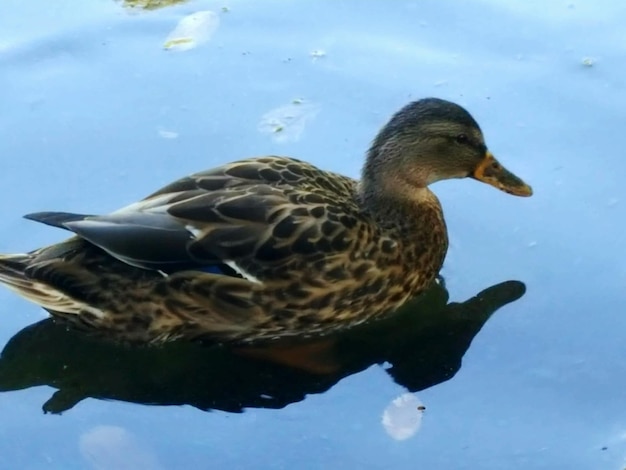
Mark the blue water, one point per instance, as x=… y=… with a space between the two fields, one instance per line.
x=95 y=114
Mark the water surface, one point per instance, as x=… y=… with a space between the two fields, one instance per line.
x=98 y=110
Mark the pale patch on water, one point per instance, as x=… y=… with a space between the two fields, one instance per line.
x=113 y=447
x=286 y=123
x=588 y=61
x=318 y=53
x=192 y=31
x=167 y=134
x=403 y=417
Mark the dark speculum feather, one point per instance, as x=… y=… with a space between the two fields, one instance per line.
x=210 y=269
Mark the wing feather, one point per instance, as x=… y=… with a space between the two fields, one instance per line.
x=258 y=213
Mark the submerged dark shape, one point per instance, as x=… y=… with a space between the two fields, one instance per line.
x=265 y=247
x=423 y=342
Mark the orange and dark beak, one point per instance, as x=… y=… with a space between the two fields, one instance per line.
x=490 y=171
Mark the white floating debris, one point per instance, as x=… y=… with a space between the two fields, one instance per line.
x=532 y=244
x=403 y=417
x=286 y=123
x=168 y=134
x=192 y=30
x=588 y=61
x=318 y=54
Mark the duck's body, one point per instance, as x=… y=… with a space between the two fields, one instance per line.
x=255 y=249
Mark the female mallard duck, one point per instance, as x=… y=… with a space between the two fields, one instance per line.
x=265 y=247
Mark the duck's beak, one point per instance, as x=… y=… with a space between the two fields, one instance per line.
x=490 y=171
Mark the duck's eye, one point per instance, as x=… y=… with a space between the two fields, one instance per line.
x=462 y=139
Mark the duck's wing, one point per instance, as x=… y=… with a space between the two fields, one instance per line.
x=249 y=215
x=142 y=239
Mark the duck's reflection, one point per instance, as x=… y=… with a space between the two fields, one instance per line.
x=422 y=345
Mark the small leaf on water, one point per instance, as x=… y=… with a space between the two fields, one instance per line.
x=192 y=30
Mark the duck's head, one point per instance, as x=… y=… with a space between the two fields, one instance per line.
x=431 y=140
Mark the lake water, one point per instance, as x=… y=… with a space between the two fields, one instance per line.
x=516 y=361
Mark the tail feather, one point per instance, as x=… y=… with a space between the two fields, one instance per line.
x=55 y=219
x=13 y=275
x=12 y=269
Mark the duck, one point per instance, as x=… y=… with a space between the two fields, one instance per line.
x=268 y=247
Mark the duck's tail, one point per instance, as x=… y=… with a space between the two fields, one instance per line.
x=13 y=275
x=12 y=271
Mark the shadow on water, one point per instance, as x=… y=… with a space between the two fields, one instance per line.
x=421 y=345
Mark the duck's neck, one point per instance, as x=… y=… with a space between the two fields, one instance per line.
x=398 y=203
x=417 y=225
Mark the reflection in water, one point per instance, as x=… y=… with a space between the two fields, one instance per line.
x=423 y=343
x=403 y=417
